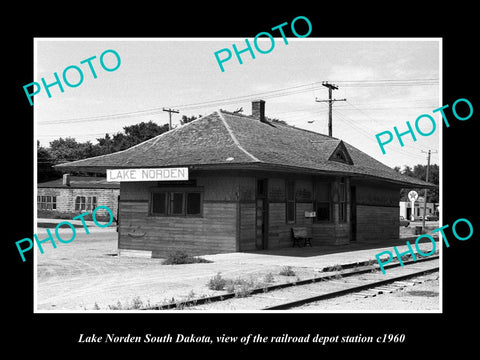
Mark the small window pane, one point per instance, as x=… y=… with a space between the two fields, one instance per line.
x=343 y=212
x=342 y=192
x=159 y=203
x=177 y=203
x=261 y=187
x=290 y=190
x=193 y=203
x=290 y=211
x=323 y=192
x=323 y=211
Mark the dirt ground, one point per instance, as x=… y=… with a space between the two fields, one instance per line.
x=87 y=274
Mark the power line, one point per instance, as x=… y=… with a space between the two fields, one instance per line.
x=368 y=135
x=292 y=90
x=388 y=82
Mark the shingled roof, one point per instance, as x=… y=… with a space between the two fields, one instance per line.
x=224 y=140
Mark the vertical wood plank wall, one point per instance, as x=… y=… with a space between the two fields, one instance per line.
x=228 y=221
x=214 y=232
x=378 y=213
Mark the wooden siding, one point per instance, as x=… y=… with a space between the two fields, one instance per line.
x=323 y=233
x=378 y=195
x=377 y=222
x=227 y=188
x=228 y=220
x=215 y=232
x=247 y=226
x=278 y=230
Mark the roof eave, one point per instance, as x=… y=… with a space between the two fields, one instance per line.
x=257 y=166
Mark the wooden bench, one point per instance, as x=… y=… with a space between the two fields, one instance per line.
x=301 y=233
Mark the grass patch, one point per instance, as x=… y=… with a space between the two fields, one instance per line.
x=239 y=287
x=268 y=278
x=217 y=282
x=135 y=304
x=181 y=257
x=287 y=271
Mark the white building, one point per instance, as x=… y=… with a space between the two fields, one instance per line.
x=406 y=209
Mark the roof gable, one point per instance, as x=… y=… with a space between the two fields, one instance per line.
x=341 y=154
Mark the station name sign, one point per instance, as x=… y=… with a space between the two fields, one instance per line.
x=155 y=174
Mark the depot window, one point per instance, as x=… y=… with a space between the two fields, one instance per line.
x=290 y=202
x=176 y=203
x=46 y=202
x=342 y=201
x=323 y=203
x=85 y=203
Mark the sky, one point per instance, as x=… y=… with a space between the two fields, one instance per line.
x=386 y=82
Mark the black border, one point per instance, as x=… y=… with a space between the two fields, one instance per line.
x=430 y=332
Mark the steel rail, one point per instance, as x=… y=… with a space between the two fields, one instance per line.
x=216 y=298
x=354 y=289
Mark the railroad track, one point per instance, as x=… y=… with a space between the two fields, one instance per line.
x=352 y=280
x=364 y=290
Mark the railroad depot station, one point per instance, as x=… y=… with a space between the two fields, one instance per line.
x=246 y=182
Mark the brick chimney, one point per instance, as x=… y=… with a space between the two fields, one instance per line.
x=66 y=179
x=258 y=110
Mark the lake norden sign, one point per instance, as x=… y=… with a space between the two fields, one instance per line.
x=155 y=174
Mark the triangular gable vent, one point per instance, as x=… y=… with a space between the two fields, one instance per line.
x=340 y=154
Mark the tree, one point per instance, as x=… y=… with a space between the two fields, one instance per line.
x=185 y=119
x=132 y=135
x=420 y=172
x=407 y=170
x=144 y=131
x=45 y=161
x=68 y=149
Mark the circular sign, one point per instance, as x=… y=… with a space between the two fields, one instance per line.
x=412 y=195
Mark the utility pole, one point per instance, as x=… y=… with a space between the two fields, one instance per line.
x=330 y=102
x=170 y=111
x=425 y=193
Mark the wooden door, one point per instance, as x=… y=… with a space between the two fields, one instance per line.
x=353 y=213
x=261 y=215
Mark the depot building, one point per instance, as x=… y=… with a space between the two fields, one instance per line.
x=229 y=182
